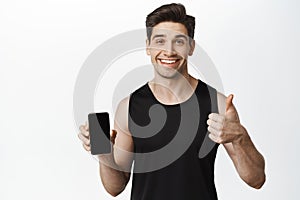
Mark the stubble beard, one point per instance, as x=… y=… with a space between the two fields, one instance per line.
x=170 y=73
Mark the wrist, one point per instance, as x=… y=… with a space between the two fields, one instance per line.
x=107 y=159
x=242 y=138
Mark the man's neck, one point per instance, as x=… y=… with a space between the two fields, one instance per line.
x=173 y=90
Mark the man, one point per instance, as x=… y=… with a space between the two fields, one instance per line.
x=169 y=43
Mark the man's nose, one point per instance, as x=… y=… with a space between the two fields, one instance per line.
x=169 y=49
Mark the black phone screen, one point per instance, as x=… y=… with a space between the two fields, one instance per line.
x=99 y=129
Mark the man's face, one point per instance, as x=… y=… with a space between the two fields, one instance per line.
x=169 y=48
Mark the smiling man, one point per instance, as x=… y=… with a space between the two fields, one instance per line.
x=185 y=100
x=169 y=47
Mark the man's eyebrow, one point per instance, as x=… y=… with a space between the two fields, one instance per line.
x=181 y=36
x=159 y=35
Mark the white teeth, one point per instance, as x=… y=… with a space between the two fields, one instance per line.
x=168 y=61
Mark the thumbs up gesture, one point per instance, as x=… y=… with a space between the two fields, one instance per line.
x=225 y=128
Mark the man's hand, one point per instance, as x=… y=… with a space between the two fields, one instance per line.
x=113 y=176
x=84 y=136
x=225 y=128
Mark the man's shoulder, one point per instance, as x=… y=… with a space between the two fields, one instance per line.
x=124 y=102
x=141 y=90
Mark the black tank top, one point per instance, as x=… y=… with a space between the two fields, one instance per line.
x=188 y=177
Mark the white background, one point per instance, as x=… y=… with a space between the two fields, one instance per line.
x=254 y=45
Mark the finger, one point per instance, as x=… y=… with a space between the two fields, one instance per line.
x=214 y=124
x=82 y=128
x=87 y=148
x=85 y=140
x=229 y=103
x=84 y=131
x=213 y=131
x=85 y=134
x=216 y=117
x=86 y=126
x=214 y=138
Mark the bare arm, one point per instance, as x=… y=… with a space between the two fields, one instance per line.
x=226 y=129
x=116 y=174
x=114 y=168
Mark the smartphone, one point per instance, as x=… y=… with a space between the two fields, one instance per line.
x=99 y=129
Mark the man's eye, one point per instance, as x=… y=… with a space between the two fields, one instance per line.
x=179 y=42
x=159 y=41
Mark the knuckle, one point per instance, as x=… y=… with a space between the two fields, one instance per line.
x=86 y=133
x=209 y=121
x=87 y=148
x=212 y=116
x=80 y=136
x=81 y=132
x=216 y=139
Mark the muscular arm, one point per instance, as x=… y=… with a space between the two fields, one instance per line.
x=247 y=160
x=226 y=129
x=115 y=168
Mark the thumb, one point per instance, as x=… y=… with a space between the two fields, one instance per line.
x=229 y=101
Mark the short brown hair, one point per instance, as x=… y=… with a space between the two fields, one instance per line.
x=170 y=12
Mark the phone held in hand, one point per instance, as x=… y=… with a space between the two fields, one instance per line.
x=99 y=129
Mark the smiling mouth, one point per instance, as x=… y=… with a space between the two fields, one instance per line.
x=169 y=62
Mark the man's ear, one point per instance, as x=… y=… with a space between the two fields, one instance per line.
x=192 y=47
x=147 y=46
